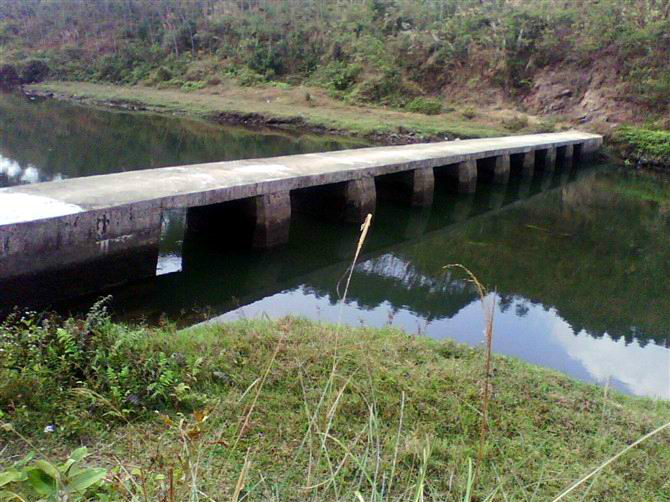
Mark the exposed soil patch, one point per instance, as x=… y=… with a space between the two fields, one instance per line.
x=589 y=96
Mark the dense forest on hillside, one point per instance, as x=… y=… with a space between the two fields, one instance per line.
x=605 y=58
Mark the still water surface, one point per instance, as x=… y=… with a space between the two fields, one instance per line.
x=580 y=259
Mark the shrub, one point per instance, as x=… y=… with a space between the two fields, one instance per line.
x=193 y=86
x=163 y=74
x=88 y=366
x=516 y=123
x=338 y=75
x=249 y=78
x=426 y=106
x=389 y=89
x=545 y=125
x=201 y=69
x=8 y=76
x=469 y=112
x=34 y=71
x=109 y=68
x=644 y=144
x=280 y=85
x=175 y=82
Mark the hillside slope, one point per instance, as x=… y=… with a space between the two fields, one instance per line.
x=594 y=62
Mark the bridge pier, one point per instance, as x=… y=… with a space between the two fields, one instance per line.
x=463 y=175
x=528 y=163
x=496 y=169
x=350 y=201
x=467 y=176
x=565 y=155
x=421 y=185
x=262 y=221
x=271 y=218
x=360 y=199
x=415 y=187
x=587 y=150
x=546 y=159
x=523 y=163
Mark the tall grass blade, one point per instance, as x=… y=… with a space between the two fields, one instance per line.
x=245 y=423
x=397 y=443
x=609 y=461
x=358 y=463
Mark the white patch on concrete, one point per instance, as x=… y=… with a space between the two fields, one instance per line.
x=272 y=170
x=352 y=161
x=204 y=179
x=20 y=207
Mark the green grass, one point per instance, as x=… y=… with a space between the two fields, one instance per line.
x=646 y=145
x=296 y=410
x=319 y=112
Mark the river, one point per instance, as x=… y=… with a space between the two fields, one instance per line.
x=577 y=262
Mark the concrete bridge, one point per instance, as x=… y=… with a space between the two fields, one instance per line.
x=108 y=227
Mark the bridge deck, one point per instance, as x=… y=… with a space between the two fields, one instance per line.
x=204 y=184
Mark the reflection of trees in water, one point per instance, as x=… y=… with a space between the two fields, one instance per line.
x=596 y=253
x=521 y=305
x=388 y=278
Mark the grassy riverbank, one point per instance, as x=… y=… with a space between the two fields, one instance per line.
x=304 y=108
x=640 y=146
x=294 y=410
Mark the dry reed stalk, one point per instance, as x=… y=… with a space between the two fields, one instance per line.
x=242 y=478
x=365 y=227
x=488 y=338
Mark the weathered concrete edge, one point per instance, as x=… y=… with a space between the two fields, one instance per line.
x=250 y=189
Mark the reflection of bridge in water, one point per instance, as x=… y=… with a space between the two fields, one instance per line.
x=387 y=272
